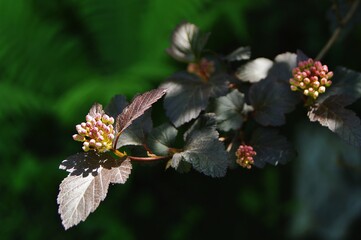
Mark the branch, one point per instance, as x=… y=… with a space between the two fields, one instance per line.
x=338 y=30
x=155 y=158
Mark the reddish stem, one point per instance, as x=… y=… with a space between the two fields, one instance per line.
x=156 y=158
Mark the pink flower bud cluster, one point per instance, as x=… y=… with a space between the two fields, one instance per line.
x=311 y=78
x=245 y=156
x=97 y=133
x=204 y=69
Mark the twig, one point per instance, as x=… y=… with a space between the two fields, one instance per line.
x=338 y=30
x=155 y=158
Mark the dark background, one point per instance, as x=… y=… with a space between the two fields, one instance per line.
x=59 y=57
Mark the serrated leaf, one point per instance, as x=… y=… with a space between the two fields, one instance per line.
x=116 y=106
x=205 y=152
x=331 y=114
x=219 y=84
x=89 y=163
x=346 y=82
x=187 y=42
x=137 y=108
x=271 y=147
x=241 y=53
x=271 y=100
x=283 y=66
x=135 y=134
x=205 y=122
x=254 y=70
x=161 y=139
x=187 y=95
x=79 y=196
x=228 y=110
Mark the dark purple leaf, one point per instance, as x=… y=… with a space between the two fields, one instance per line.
x=187 y=95
x=162 y=138
x=204 y=151
x=332 y=114
x=229 y=111
x=347 y=83
x=271 y=100
x=271 y=147
x=135 y=134
x=116 y=106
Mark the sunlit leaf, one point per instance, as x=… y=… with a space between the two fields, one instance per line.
x=79 y=196
x=187 y=42
x=135 y=133
x=89 y=163
x=271 y=147
x=332 y=114
x=254 y=70
x=241 y=53
x=137 y=108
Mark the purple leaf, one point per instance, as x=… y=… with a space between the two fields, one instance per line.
x=79 y=196
x=332 y=114
x=271 y=100
x=137 y=108
x=271 y=147
x=187 y=95
x=85 y=163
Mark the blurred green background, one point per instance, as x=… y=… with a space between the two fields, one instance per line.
x=59 y=57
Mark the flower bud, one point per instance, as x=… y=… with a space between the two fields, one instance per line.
x=311 y=78
x=245 y=156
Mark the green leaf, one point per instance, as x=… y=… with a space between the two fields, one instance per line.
x=332 y=114
x=204 y=151
x=271 y=100
x=271 y=147
x=228 y=110
x=187 y=95
x=161 y=139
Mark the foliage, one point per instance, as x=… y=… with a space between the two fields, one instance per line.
x=58 y=57
x=210 y=131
